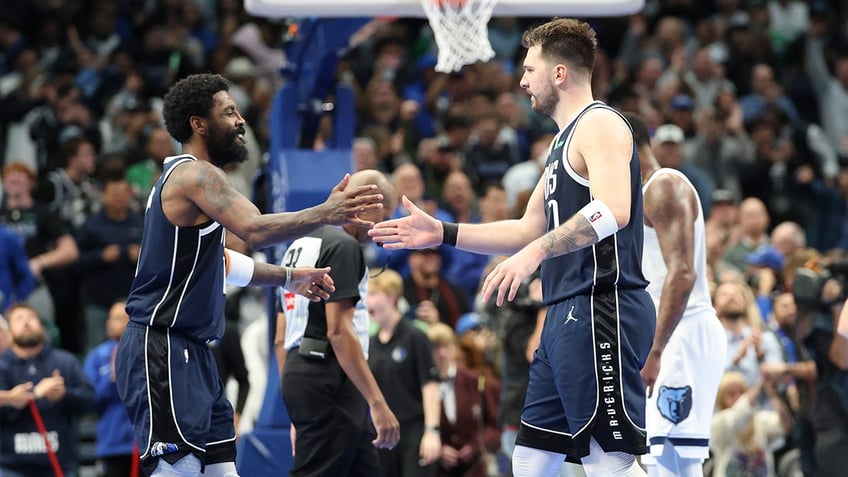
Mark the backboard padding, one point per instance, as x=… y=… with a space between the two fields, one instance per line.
x=412 y=8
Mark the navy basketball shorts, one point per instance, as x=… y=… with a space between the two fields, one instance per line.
x=584 y=378
x=174 y=397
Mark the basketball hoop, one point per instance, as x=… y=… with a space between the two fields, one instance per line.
x=461 y=31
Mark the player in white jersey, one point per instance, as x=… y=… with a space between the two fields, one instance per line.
x=686 y=361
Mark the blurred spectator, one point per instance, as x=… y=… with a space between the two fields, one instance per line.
x=61 y=393
x=753 y=228
x=773 y=175
x=431 y=296
x=828 y=229
x=478 y=345
x=401 y=358
x=465 y=268
x=143 y=174
x=487 y=157
x=705 y=78
x=725 y=211
x=787 y=238
x=469 y=429
x=109 y=244
x=365 y=155
x=116 y=447
x=72 y=194
x=719 y=270
x=437 y=166
x=459 y=198
x=743 y=438
x=668 y=144
x=525 y=175
x=49 y=246
x=681 y=113
x=830 y=351
x=70 y=190
x=765 y=91
x=748 y=343
x=721 y=147
x=796 y=378
x=517 y=322
x=829 y=84
x=16 y=281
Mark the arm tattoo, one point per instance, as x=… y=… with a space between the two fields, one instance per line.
x=574 y=234
x=215 y=189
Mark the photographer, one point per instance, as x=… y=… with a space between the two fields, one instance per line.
x=830 y=352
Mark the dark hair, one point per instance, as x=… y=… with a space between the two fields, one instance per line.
x=191 y=96
x=69 y=149
x=565 y=39
x=640 y=130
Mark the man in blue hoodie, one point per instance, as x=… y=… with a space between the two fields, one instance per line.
x=60 y=391
x=115 y=439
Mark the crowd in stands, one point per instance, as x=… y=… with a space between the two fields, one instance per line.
x=748 y=98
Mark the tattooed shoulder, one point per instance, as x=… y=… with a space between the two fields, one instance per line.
x=214 y=186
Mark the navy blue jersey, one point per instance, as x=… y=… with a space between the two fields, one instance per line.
x=179 y=282
x=615 y=260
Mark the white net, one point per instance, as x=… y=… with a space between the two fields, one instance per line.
x=461 y=31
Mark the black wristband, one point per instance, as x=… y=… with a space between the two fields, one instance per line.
x=450 y=231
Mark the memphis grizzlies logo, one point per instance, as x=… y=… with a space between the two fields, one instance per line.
x=675 y=403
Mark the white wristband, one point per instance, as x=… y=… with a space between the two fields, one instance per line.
x=288 y=278
x=239 y=268
x=600 y=217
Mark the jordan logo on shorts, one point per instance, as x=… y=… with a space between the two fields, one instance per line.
x=569 y=316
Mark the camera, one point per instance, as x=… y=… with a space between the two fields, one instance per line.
x=808 y=284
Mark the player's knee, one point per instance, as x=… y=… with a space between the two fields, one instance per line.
x=530 y=462
x=221 y=469
x=188 y=466
x=599 y=463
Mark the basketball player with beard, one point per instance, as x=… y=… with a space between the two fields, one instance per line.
x=583 y=224
x=165 y=371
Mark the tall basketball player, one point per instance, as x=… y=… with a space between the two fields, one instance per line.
x=583 y=224
x=686 y=361
x=165 y=372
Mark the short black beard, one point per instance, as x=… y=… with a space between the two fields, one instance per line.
x=227 y=150
x=28 y=341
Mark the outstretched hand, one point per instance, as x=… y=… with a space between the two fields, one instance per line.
x=506 y=278
x=416 y=230
x=344 y=205
x=313 y=283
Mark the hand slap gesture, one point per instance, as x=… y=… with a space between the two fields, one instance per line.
x=345 y=205
x=416 y=230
